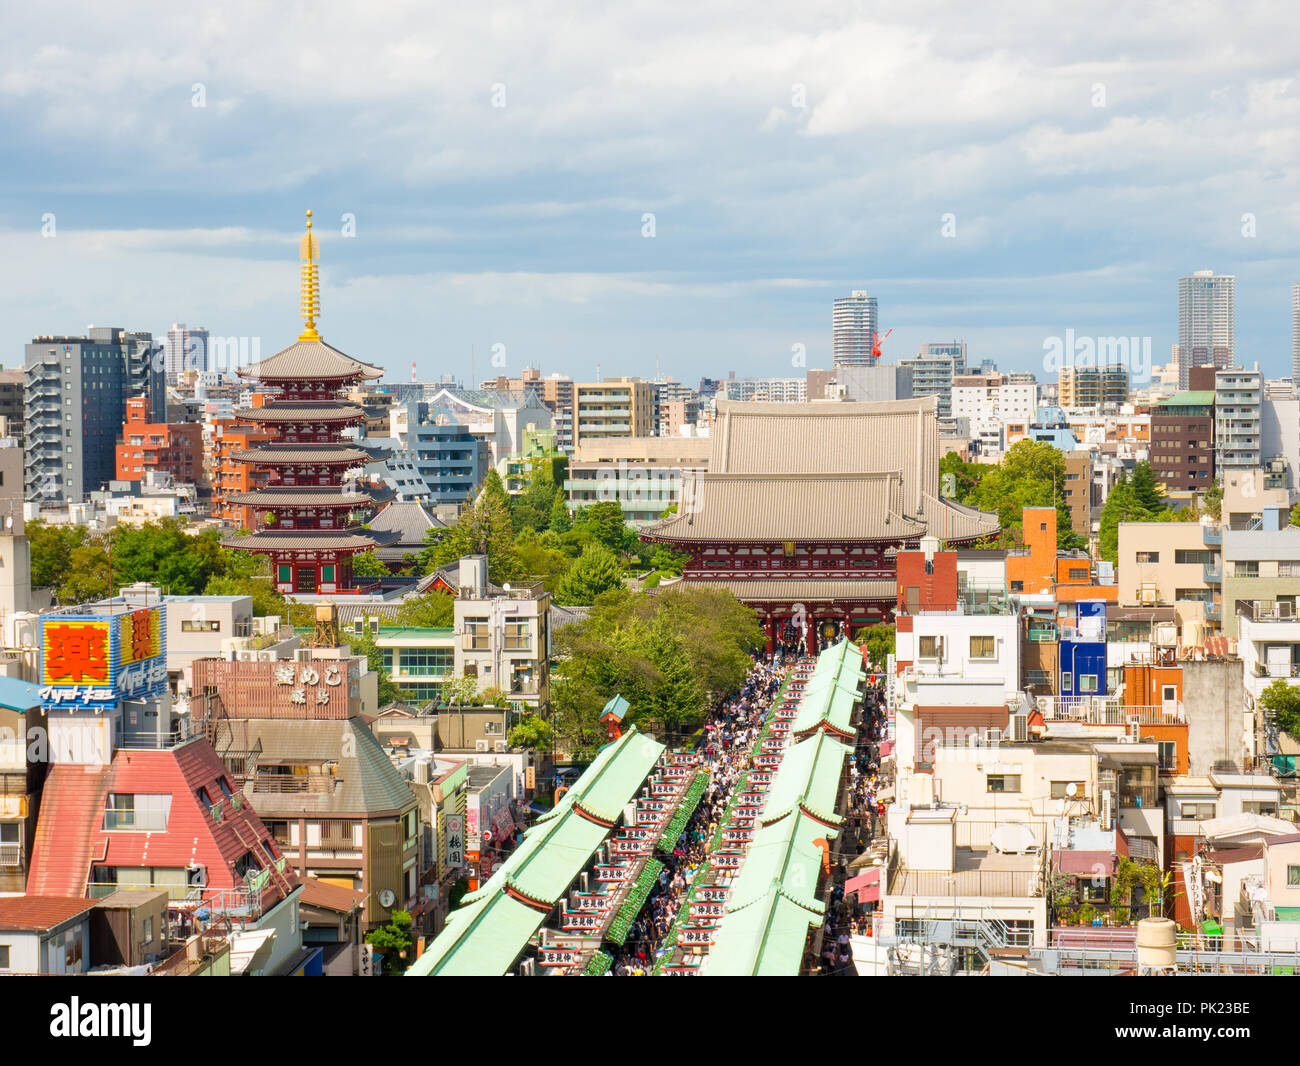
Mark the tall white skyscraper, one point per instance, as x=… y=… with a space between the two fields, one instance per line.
x=1206 y=327
x=855 y=323
x=1295 y=337
x=187 y=349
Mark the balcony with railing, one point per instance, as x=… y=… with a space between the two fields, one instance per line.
x=1109 y=710
x=977 y=873
x=1211 y=536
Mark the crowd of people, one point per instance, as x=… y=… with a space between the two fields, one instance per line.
x=726 y=745
x=864 y=822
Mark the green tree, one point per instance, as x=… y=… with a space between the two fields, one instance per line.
x=394 y=940
x=1214 y=501
x=596 y=570
x=1121 y=506
x=532 y=732
x=560 y=521
x=965 y=477
x=163 y=554
x=433 y=610
x=266 y=601
x=1146 y=490
x=483 y=528
x=1031 y=474
x=602 y=522
x=1284 y=701
x=1295 y=515
x=878 y=640
x=89 y=576
x=51 y=551
x=368 y=564
x=668 y=560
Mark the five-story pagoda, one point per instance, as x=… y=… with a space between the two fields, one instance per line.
x=304 y=518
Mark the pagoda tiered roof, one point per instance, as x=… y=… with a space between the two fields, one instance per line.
x=292 y=454
x=301 y=411
x=309 y=360
x=288 y=496
x=295 y=540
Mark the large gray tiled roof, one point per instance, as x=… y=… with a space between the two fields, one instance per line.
x=366 y=783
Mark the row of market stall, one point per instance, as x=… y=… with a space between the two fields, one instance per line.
x=760 y=898
x=586 y=868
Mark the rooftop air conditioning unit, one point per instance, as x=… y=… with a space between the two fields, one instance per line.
x=1107 y=809
x=266 y=656
x=1020 y=728
x=302 y=655
x=499 y=745
x=482 y=745
x=247 y=656
x=992 y=737
x=1134 y=729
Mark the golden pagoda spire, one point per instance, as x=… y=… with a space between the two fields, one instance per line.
x=309 y=254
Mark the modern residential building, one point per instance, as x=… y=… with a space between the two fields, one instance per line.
x=75 y=404
x=933 y=369
x=855 y=324
x=1093 y=386
x=150 y=447
x=1260 y=567
x=187 y=349
x=1295 y=336
x=644 y=474
x=22 y=721
x=1175 y=563
x=1182 y=437
x=1238 y=427
x=1206 y=324
x=615 y=407
x=13 y=384
x=500 y=419
x=769 y=390
x=449 y=457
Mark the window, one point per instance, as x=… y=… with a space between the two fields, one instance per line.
x=1264 y=807
x=1078 y=573
x=983 y=648
x=4 y=951
x=146 y=931
x=476 y=635
x=929 y=647
x=1245 y=569
x=1087 y=682
x=1194 y=595
x=193 y=625
x=1148 y=557
x=1003 y=782
x=1067 y=683
x=1193 y=556
x=1292 y=881
x=1196 y=811
x=517 y=634
x=1168 y=755
x=492 y=728
x=427 y=662
x=1060 y=789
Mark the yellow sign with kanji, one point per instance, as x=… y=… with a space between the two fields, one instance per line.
x=76 y=653
x=140 y=635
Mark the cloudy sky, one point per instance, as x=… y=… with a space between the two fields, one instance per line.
x=499 y=161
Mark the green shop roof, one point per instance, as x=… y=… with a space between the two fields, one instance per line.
x=809 y=778
x=774 y=904
x=492 y=928
x=828 y=703
x=1200 y=398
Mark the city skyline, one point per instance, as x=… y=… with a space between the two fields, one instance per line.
x=999 y=198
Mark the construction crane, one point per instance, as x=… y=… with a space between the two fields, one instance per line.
x=876 y=349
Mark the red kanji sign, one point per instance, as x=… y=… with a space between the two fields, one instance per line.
x=76 y=652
